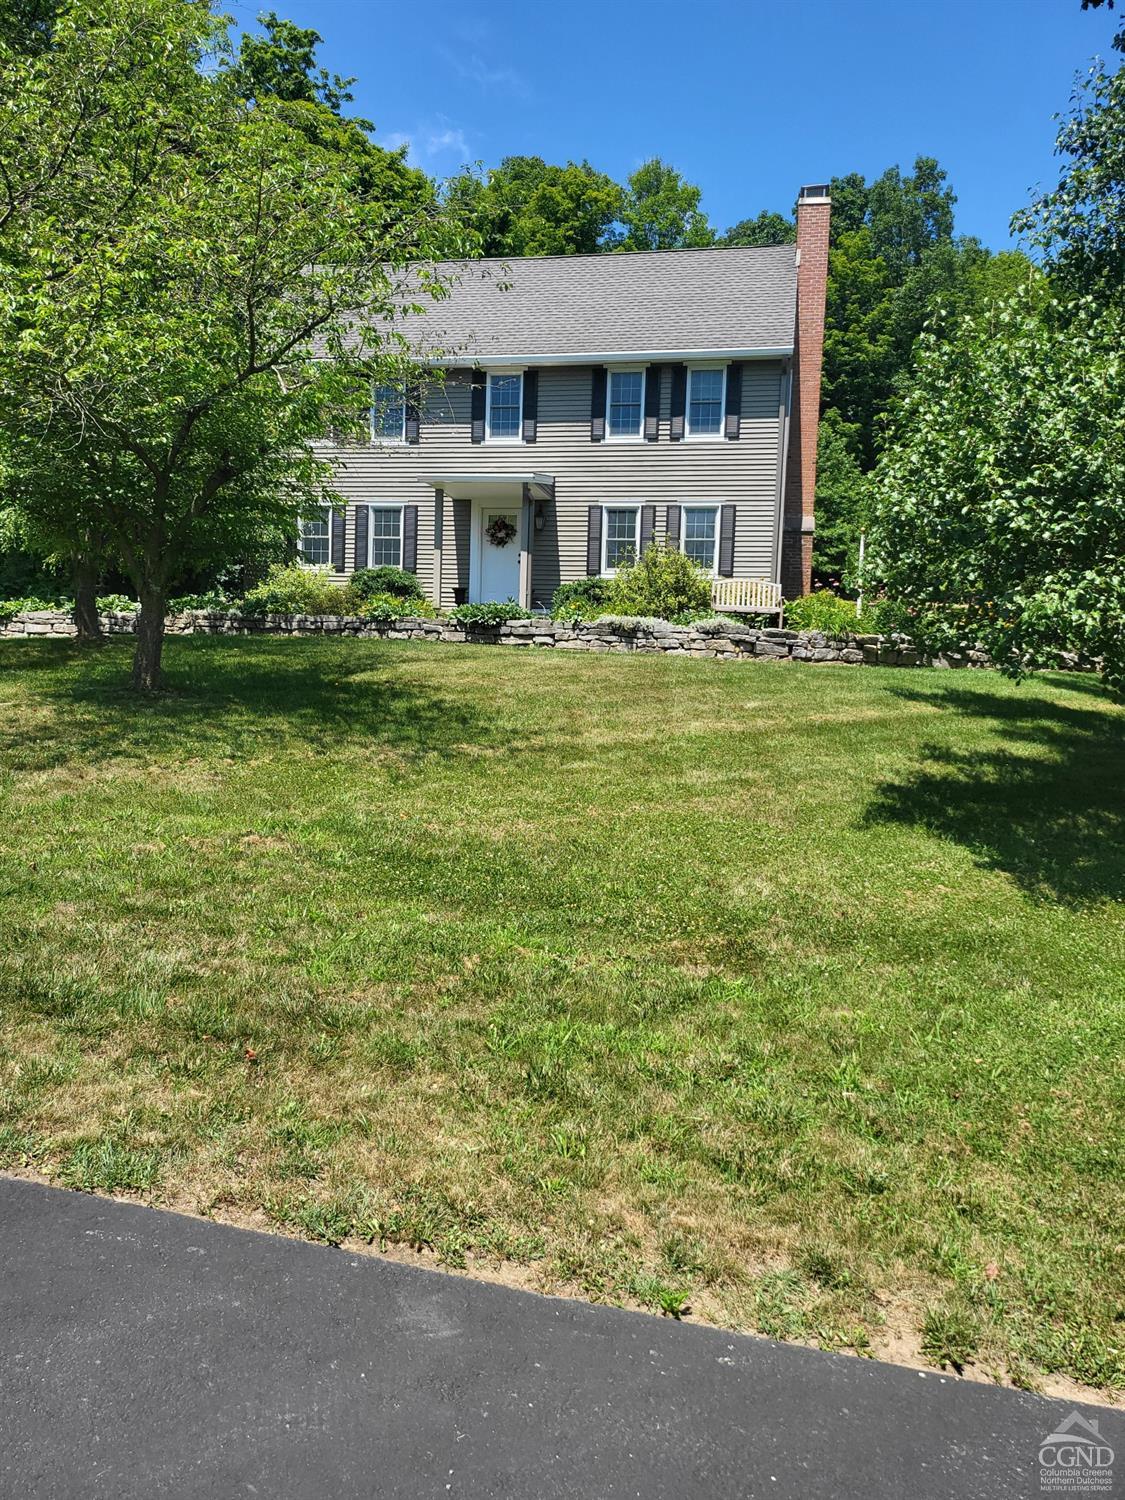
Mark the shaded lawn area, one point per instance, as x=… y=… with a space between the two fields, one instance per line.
x=794 y=993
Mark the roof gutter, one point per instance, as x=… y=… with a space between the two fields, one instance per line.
x=607 y=356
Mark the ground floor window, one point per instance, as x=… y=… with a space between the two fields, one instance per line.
x=701 y=535
x=620 y=543
x=313 y=540
x=385 y=536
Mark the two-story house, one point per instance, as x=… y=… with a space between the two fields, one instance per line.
x=590 y=405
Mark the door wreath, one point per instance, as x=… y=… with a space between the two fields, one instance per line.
x=500 y=531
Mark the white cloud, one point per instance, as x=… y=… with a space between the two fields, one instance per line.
x=448 y=140
x=429 y=142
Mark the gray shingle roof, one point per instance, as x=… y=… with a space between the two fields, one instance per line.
x=658 y=302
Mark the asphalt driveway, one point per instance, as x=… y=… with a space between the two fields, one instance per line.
x=147 y=1354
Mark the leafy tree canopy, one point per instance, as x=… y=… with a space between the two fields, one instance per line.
x=998 y=514
x=526 y=206
x=661 y=211
x=765 y=228
x=1080 y=223
x=177 y=262
x=27 y=25
x=282 y=65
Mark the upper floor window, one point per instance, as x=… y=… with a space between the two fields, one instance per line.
x=504 y=418
x=701 y=535
x=706 y=388
x=625 y=399
x=384 y=533
x=620 y=539
x=313 y=541
x=388 y=415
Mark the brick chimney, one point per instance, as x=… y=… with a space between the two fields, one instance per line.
x=814 y=208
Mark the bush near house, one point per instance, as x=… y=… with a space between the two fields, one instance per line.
x=584 y=599
x=832 y=615
x=31 y=604
x=488 y=616
x=367 y=583
x=662 y=584
x=386 y=608
x=291 y=589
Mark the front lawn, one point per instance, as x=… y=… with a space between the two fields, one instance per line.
x=791 y=993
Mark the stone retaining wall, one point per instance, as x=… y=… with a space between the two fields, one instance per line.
x=716 y=640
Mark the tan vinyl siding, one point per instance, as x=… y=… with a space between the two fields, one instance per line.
x=715 y=471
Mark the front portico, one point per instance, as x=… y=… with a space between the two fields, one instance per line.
x=501 y=515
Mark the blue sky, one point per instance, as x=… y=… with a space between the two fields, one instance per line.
x=712 y=86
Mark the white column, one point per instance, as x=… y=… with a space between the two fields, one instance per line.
x=439 y=526
x=527 y=533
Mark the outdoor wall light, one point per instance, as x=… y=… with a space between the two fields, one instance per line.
x=540 y=516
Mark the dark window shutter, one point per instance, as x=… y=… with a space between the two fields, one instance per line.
x=733 y=425
x=362 y=516
x=652 y=403
x=338 y=524
x=679 y=402
x=413 y=427
x=726 y=541
x=597 y=408
x=673 y=526
x=530 y=404
x=594 y=540
x=478 y=406
x=648 y=526
x=410 y=538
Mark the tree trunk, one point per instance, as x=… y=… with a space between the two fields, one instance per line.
x=150 y=640
x=86 y=602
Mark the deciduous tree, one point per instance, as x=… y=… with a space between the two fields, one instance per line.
x=194 y=337
x=661 y=211
x=998 y=514
x=765 y=229
x=526 y=206
x=1080 y=223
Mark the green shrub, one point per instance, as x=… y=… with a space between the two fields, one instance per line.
x=295 y=590
x=214 y=601
x=117 y=604
x=888 y=616
x=584 y=599
x=384 y=608
x=831 y=615
x=663 y=584
x=487 y=616
x=11 y=607
x=366 y=583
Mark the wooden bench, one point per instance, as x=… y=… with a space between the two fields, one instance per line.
x=746 y=596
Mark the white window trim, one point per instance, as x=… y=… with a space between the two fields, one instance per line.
x=371 y=535
x=625 y=437
x=304 y=561
x=488 y=378
x=608 y=572
x=706 y=437
x=713 y=570
x=380 y=440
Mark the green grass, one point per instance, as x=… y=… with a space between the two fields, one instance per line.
x=793 y=995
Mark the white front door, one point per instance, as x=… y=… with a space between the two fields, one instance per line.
x=499 y=553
